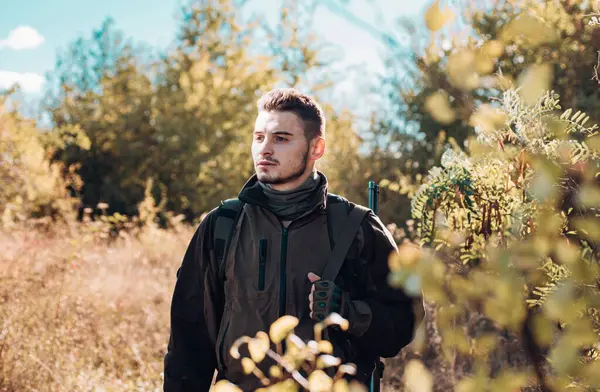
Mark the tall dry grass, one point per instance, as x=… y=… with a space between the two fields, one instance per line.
x=81 y=313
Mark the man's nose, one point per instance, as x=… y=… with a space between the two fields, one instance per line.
x=266 y=147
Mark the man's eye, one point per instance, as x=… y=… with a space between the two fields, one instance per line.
x=281 y=139
x=258 y=137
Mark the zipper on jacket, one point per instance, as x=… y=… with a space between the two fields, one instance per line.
x=222 y=346
x=282 y=272
x=262 y=263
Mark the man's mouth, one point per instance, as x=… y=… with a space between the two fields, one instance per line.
x=265 y=163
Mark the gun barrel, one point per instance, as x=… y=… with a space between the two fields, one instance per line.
x=375 y=380
x=374 y=197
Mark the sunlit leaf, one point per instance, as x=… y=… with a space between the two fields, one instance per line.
x=248 y=365
x=356 y=386
x=438 y=107
x=319 y=381
x=484 y=63
x=488 y=118
x=528 y=30
x=534 y=81
x=417 y=378
x=226 y=386
x=567 y=253
x=259 y=346
x=589 y=196
x=340 y=385
x=436 y=17
x=590 y=227
x=493 y=48
x=324 y=361
x=325 y=346
x=282 y=327
x=275 y=371
x=461 y=70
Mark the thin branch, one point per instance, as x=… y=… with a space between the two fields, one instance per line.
x=596 y=75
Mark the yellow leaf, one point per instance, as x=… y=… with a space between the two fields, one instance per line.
x=567 y=253
x=436 y=18
x=336 y=319
x=226 y=386
x=461 y=70
x=248 y=365
x=493 y=48
x=484 y=64
x=488 y=118
x=408 y=254
x=503 y=82
x=590 y=227
x=528 y=29
x=594 y=142
x=259 y=346
x=282 y=327
x=432 y=54
x=534 y=81
x=356 y=386
x=347 y=368
x=438 y=107
x=324 y=361
x=325 y=347
x=340 y=385
x=589 y=196
x=319 y=381
x=417 y=377
x=275 y=371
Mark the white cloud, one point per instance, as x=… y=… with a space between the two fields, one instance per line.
x=23 y=37
x=29 y=81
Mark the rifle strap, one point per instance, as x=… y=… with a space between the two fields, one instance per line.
x=343 y=239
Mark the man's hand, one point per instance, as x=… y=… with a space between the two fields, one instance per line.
x=325 y=298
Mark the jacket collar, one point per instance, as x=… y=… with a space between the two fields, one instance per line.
x=252 y=193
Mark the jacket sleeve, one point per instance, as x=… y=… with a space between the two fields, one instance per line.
x=386 y=316
x=196 y=309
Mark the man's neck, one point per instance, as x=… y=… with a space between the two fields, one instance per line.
x=295 y=184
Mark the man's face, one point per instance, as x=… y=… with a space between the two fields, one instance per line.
x=280 y=150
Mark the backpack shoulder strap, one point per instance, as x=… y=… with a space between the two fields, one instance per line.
x=345 y=221
x=337 y=209
x=228 y=214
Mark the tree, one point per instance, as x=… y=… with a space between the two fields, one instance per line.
x=501 y=43
x=32 y=186
x=185 y=119
x=100 y=90
x=508 y=222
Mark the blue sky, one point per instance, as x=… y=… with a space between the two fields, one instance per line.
x=31 y=31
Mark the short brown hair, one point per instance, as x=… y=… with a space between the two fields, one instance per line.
x=305 y=107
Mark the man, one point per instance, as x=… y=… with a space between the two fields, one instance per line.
x=279 y=246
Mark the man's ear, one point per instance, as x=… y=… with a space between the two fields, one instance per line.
x=317 y=148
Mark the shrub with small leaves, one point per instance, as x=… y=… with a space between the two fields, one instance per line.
x=301 y=366
x=509 y=231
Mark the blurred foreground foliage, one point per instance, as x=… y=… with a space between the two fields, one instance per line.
x=505 y=248
x=476 y=50
x=307 y=365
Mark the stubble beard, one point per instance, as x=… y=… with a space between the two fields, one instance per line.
x=266 y=178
